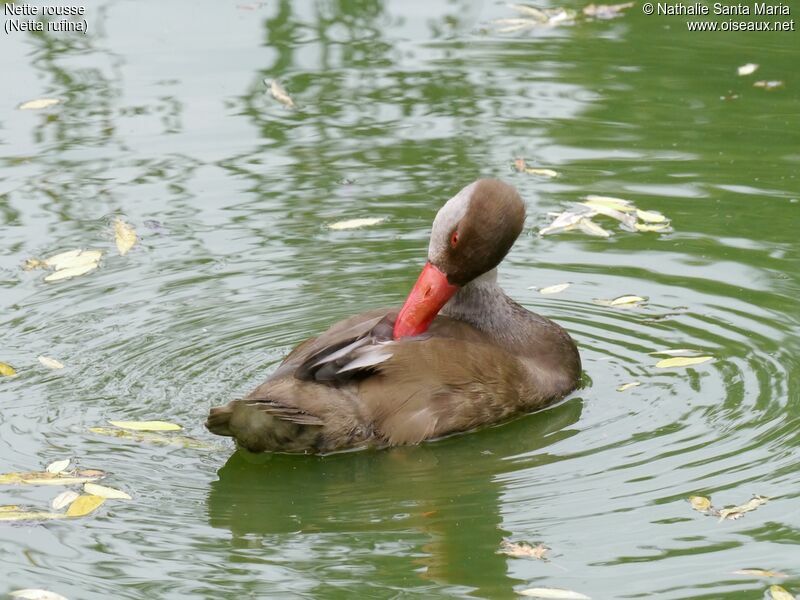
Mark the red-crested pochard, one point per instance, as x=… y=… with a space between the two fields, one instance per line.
x=458 y=355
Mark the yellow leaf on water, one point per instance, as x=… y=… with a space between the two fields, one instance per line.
x=700 y=503
x=759 y=573
x=50 y=363
x=45 y=478
x=124 y=235
x=682 y=361
x=146 y=425
x=354 y=223
x=33 y=263
x=71 y=272
x=65 y=498
x=652 y=228
x=35 y=594
x=650 y=216
x=768 y=85
x=154 y=438
x=280 y=94
x=589 y=227
x=627 y=386
x=554 y=289
x=523 y=550
x=73 y=258
x=84 y=504
x=58 y=466
x=629 y=300
x=29 y=515
x=38 y=104
x=9 y=508
x=609 y=202
x=105 y=492
x=553 y=594
x=777 y=592
x=736 y=512
x=747 y=69
x=541 y=172
x=7 y=370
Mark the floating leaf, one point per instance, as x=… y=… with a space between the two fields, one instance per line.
x=553 y=593
x=759 y=573
x=650 y=216
x=7 y=370
x=627 y=219
x=627 y=386
x=567 y=220
x=124 y=235
x=84 y=504
x=606 y=11
x=523 y=549
x=34 y=594
x=609 y=202
x=747 y=69
x=9 y=508
x=147 y=425
x=354 y=223
x=45 y=478
x=58 y=466
x=628 y=300
x=29 y=515
x=777 y=592
x=73 y=258
x=768 y=85
x=682 y=361
x=105 y=492
x=280 y=94
x=65 y=498
x=531 y=11
x=589 y=227
x=154 y=438
x=33 y=263
x=736 y=512
x=652 y=227
x=71 y=272
x=50 y=363
x=554 y=289
x=700 y=503
x=38 y=104
x=519 y=165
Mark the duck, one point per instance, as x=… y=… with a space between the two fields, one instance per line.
x=457 y=356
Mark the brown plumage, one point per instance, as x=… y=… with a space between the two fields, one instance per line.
x=385 y=378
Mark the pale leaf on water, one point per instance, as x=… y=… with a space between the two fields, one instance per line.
x=682 y=361
x=759 y=573
x=45 y=478
x=124 y=236
x=7 y=370
x=154 y=438
x=280 y=94
x=50 y=363
x=553 y=594
x=747 y=69
x=29 y=515
x=523 y=550
x=36 y=594
x=567 y=220
x=71 y=272
x=627 y=386
x=652 y=227
x=531 y=11
x=606 y=11
x=33 y=263
x=541 y=172
x=650 y=216
x=73 y=258
x=58 y=466
x=84 y=504
x=626 y=301
x=355 y=223
x=147 y=425
x=736 y=512
x=105 y=492
x=38 y=104
x=9 y=507
x=589 y=227
x=777 y=592
x=609 y=202
x=65 y=498
x=554 y=289
x=700 y=503
x=627 y=219
x=768 y=85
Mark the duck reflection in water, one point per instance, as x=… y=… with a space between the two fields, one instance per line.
x=404 y=518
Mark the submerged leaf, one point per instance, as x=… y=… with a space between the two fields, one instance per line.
x=554 y=289
x=628 y=300
x=124 y=235
x=280 y=94
x=553 y=593
x=147 y=425
x=105 y=492
x=759 y=573
x=736 y=512
x=153 y=438
x=354 y=223
x=58 y=466
x=50 y=363
x=7 y=370
x=45 y=478
x=65 y=498
x=682 y=361
x=627 y=386
x=523 y=549
x=747 y=69
x=84 y=504
x=777 y=592
x=38 y=104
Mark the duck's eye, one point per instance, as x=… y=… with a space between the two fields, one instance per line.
x=454 y=238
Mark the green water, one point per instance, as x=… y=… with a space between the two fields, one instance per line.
x=166 y=123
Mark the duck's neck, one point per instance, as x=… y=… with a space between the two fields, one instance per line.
x=483 y=304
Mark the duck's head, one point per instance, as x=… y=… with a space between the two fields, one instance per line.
x=471 y=235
